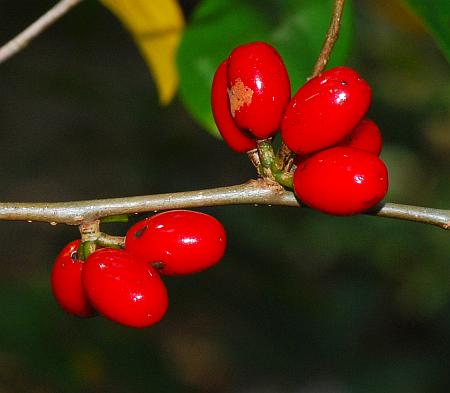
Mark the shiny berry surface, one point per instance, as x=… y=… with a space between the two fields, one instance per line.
x=179 y=241
x=365 y=136
x=341 y=181
x=66 y=282
x=124 y=289
x=325 y=110
x=258 y=87
x=220 y=105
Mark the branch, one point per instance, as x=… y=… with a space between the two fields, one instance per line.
x=76 y=213
x=330 y=38
x=259 y=192
x=425 y=215
x=25 y=37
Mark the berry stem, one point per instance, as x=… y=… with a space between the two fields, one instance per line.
x=89 y=234
x=88 y=248
x=284 y=154
x=267 y=157
x=253 y=155
x=285 y=178
x=105 y=240
x=90 y=231
x=116 y=218
x=289 y=167
x=80 y=252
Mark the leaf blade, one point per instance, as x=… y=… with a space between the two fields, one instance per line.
x=436 y=17
x=156 y=27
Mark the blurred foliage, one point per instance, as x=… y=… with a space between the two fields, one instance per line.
x=156 y=27
x=302 y=302
x=435 y=15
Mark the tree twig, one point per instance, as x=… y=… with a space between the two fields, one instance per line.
x=327 y=47
x=260 y=192
x=25 y=37
x=330 y=38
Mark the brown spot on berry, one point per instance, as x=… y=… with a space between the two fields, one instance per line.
x=158 y=265
x=239 y=95
x=140 y=232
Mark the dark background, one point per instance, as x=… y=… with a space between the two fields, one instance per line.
x=302 y=302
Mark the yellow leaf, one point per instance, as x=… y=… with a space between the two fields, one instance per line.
x=156 y=26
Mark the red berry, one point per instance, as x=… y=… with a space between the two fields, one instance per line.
x=124 y=289
x=325 y=110
x=258 y=88
x=220 y=105
x=365 y=136
x=180 y=241
x=66 y=282
x=341 y=181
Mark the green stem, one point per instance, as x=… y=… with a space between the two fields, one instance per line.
x=267 y=157
x=285 y=178
x=80 y=252
x=266 y=153
x=85 y=249
x=116 y=218
x=88 y=248
x=110 y=241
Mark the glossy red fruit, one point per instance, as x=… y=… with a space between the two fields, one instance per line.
x=220 y=105
x=341 y=181
x=258 y=88
x=66 y=282
x=124 y=289
x=365 y=136
x=325 y=110
x=179 y=241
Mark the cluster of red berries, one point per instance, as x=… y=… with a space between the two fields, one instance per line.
x=124 y=285
x=337 y=168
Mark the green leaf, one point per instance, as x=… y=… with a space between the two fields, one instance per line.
x=296 y=28
x=435 y=14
